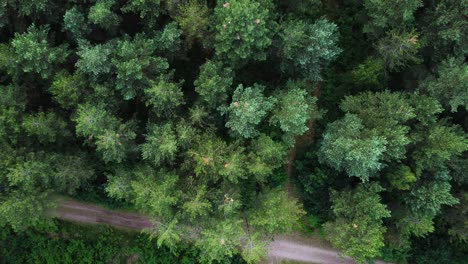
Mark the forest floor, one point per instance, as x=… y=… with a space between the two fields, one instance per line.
x=293 y=247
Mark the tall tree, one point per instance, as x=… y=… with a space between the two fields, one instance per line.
x=34 y=52
x=243 y=30
x=357 y=230
x=306 y=48
x=293 y=110
x=248 y=108
x=389 y=14
x=348 y=146
x=213 y=83
x=449 y=85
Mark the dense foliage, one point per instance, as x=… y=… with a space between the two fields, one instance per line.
x=203 y=114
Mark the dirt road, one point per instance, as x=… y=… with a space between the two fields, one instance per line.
x=89 y=213
x=282 y=248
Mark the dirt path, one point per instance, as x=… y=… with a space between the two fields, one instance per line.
x=89 y=213
x=283 y=248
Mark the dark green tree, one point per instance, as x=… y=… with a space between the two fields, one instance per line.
x=357 y=230
x=213 y=83
x=307 y=48
x=243 y=30
x=449 y=85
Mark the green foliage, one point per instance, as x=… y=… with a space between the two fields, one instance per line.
x=440 y=144
x=401 y=177
x=34 y=53
x=213 y=83
x=347 y=146
x=67 y=89
x=147 y=9
x=75 y=22
x=377 y=112
x=149 y=89
x=370 y=73
x=428 y=198
x=164 y=96
x=221 y=242
x=134 y=64
x=47 y=127
x=192 y=17
x=95 y=60
x=113 y=138
x=266 y=156
x=161 y=144
x=276 y=213
x=398 y=49
x=293 y=110
x=72 y=243
x=445 y=29
x=306 y=48
x=115 y=144
x=243 y=30
x=60 y=173
x=12 y=104
x=248 y=108
x=254 y=250
x=22 y=210
x=154 y=191
x=93 y=120
x=450 y=85
x=213 y=159
x=357 y=230
x=102 y=15
x=416 y=225
x=389 y=14
x=27 y=7
x=198 y=206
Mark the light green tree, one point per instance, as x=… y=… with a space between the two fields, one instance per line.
x=220 y=242
x=276 y=213
x=347 y=146
x=95 y=60
x=115 y=143
x=46 y=127
x=265 y=156
x=164 y=96
x=160 y=144
x=67 y=90
x=101 y=14
x=248 y=108
x=93 y=120
x=33 y=52
x=293 y=110
x=155 y=192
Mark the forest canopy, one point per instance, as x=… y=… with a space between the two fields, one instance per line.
x=230 y=122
